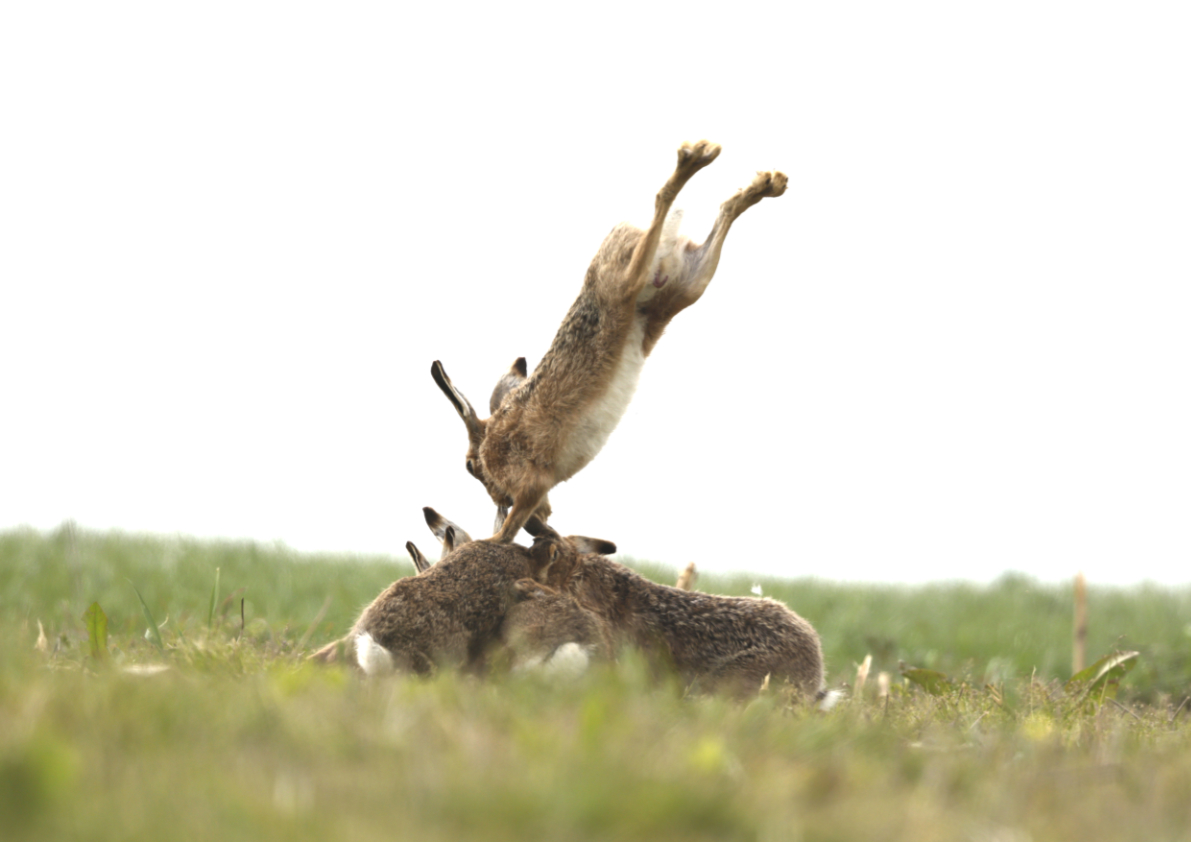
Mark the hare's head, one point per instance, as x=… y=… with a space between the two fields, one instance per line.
x=476 y=426
x=557 y=558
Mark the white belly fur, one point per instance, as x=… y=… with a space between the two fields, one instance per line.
x=605 y=413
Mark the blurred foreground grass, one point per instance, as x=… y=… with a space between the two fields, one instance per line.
x=237 y=739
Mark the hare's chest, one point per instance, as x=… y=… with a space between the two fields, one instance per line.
x=605 y=412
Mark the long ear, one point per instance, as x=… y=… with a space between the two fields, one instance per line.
x=439 y=526
x=536 y=527
x=513 y=378
x=475 y=427
x=420 y=562
x=502 y=512
x=592 y=545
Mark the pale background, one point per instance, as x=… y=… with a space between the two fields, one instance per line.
x=234 y=236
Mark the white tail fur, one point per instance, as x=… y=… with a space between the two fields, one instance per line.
x=373 y=658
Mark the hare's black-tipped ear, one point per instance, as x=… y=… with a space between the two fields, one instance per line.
x=420 y=562
x=439 y=525
x=475 y=427
x=536 y=527
x=592 y=545
x=513 y=378
x=436 y=522
x=453 y=395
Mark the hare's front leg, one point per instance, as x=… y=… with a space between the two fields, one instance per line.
x=525 y=504
x=542 y=513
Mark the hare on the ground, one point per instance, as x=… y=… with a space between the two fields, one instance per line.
x=731 y=644
x=546 y=426
x=479 y=596
x=549 y=631
x=448 y=615
x=543 y=629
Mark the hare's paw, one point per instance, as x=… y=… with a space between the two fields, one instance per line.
x=693 y=157
x=768 y=184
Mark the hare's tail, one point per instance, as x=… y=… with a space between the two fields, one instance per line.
x=373 y=658
x=358 y=651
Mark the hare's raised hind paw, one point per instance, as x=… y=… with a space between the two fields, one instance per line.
x=768 y=184
x=693 y=157
x=765 y=185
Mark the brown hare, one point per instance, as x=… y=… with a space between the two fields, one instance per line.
x=729 y=644
x=456 y=612
x=546 y=426
x=543 y=629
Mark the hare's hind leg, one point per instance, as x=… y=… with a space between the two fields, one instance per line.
x=764 y=186
x=692 y=157
x=703 y=260
x=688 y=281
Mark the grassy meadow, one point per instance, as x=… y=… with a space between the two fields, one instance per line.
x=213 y=727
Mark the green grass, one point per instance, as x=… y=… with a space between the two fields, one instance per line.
x=238 y=739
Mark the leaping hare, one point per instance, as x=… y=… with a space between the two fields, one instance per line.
x=545 y=427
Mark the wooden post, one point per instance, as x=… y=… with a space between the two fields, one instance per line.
x=1079 y=654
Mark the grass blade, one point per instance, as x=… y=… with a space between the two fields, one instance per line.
x=932 y=681
x=214 y=597
x=97 y=631
x=1101 y=680
x=152 y=633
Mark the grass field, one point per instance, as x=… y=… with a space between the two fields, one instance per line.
x=220 y=731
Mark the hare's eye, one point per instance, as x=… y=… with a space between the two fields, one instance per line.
x=471 y=468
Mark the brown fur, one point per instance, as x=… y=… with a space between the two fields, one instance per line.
x=720 y=643
x=540 y=619
x=450 y=615
x=529 y=444
x=686 y=579
x=480 y=596
x=543 y=619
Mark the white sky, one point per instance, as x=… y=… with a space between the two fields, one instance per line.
x=235 y=235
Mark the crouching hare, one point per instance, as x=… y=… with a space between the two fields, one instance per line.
x=543 y=629
x=458 y=612
x=545 y=427
x=728 y=644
